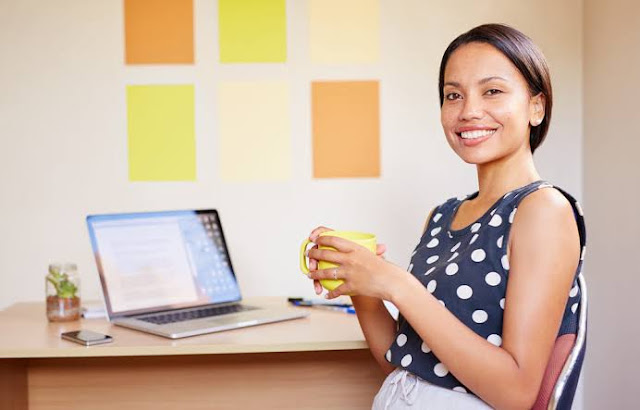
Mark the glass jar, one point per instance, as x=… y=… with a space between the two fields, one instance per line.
x=62 y=285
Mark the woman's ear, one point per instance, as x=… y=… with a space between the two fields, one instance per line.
x=536 y=105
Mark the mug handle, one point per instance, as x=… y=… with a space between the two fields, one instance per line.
x=303 y=258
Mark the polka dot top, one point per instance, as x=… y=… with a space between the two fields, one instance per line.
x=467 y=271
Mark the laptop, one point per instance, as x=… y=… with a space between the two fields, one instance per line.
x=169 y=273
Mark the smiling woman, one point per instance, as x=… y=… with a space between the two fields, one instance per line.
x=492 y=282
x=493 y=107
x=528 y=65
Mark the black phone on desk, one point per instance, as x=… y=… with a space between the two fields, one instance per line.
x=87 y=337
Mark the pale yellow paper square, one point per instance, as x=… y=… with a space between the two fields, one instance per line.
x=344 y=31
x=254 y=131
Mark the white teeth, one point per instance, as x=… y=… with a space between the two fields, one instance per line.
x=476 y=134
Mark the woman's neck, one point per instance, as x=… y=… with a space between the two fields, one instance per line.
x=506 y=174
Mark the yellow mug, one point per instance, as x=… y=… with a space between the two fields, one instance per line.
x=363 y=239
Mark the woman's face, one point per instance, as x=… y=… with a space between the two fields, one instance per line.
x=487 y=109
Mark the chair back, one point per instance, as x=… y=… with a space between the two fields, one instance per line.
x=563 y=370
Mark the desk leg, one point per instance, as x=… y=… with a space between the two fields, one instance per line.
x=302 y=380
x=13 y=384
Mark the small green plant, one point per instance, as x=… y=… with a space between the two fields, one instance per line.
x=65 y=288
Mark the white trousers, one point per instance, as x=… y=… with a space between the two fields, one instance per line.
x=404 y=390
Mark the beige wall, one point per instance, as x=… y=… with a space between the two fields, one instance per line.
x=63 y=132
x=612 y=194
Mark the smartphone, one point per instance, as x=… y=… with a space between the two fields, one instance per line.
x=87 y=337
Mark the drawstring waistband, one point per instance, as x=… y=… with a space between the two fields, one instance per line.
x=408 y=387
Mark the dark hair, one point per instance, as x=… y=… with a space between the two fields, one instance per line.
x=524 y=54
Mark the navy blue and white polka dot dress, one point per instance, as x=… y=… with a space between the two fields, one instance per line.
x=467 y=271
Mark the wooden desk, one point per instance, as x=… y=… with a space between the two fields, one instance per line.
x=319 y=362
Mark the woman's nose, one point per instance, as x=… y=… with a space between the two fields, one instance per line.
x=471 y=109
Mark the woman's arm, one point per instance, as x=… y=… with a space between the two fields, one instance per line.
x=378 y=326
x=544 y=253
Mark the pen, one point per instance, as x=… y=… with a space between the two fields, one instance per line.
x=317 y=302
x=349 y=310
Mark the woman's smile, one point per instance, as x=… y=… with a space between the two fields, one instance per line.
x=472 y=136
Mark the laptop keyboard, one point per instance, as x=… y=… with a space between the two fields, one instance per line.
x=173 y=317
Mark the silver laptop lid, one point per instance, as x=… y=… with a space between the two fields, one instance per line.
x=155 y=261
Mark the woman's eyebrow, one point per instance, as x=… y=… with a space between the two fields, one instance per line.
x=487 y=79
x=483 y=81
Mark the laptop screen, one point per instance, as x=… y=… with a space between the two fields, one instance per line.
x=161 y=260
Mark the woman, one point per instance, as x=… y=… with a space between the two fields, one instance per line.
x=489 y=289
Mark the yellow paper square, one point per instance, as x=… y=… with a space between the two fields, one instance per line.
x=161 y=133
x=344 y=31
x=254 y=131
x=252 y=31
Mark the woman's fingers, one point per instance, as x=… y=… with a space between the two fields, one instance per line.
x=327 y=255
x=314 y=234
x=339 y=291
x=340 y=244
x=331 y=273
x=381 y=249
x=313 y=263
x=318 y=275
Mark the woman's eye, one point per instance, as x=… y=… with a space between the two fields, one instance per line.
x=493 y=91
x=453 y=96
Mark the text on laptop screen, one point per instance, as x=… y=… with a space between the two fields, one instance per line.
x=162 y=259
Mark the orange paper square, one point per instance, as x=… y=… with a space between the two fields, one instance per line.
x=346 y=129
x=158 y=31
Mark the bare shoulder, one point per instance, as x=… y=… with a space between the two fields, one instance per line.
x=545 y=206
x=545 y=222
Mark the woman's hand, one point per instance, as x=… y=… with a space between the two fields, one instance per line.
x=363 y=272
x=313 y=263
